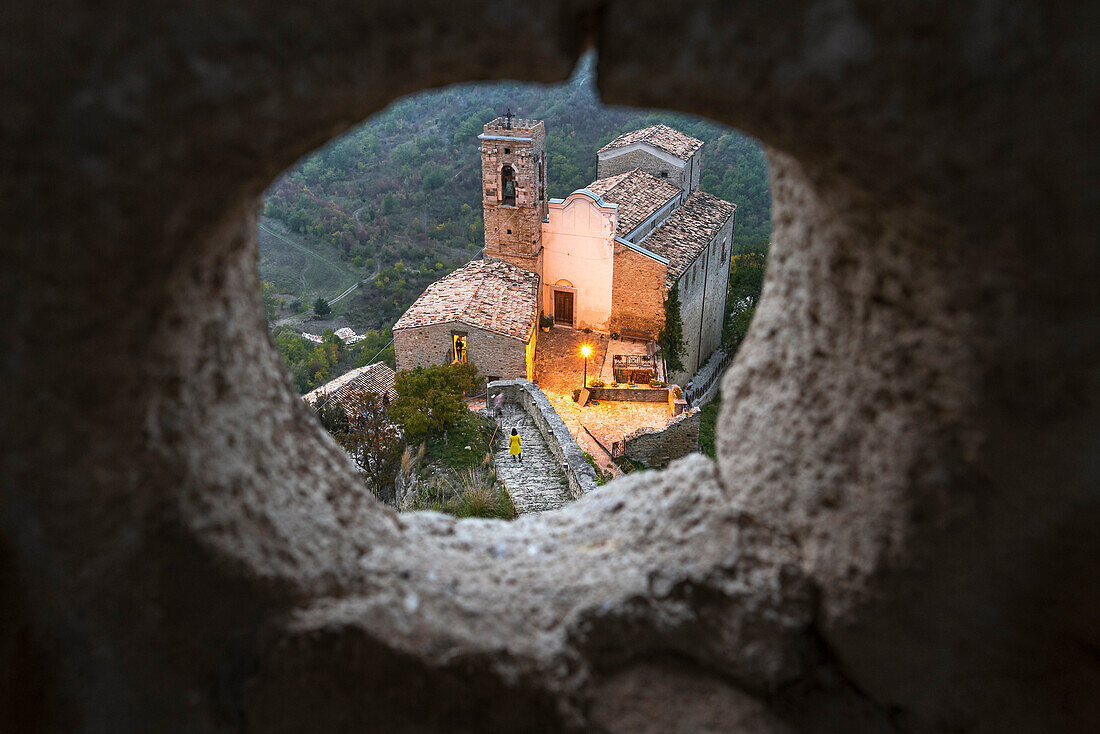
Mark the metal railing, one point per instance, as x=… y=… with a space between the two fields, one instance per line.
x=698 y=390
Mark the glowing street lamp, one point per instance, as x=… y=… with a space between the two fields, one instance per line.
x=586 y=352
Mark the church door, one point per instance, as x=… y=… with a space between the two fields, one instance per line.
x=563 y=308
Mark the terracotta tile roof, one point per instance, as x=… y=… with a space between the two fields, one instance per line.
x=638 y=195
x=690 y=229
x=661 y=137
x=377 y=378
x=489 y=294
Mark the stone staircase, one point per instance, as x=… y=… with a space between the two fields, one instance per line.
x=537 y=483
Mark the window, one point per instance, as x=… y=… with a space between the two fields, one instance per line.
x=664 y=174
x=509 y=231
x=507 y=151
x=508 y=185
x=458 y=348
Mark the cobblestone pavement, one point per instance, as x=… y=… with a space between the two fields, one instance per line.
x=537 y=483
x=559 y=370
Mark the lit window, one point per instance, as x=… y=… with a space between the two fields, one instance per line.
x=459 y=347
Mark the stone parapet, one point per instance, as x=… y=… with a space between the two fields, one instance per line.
x=526 y=394
x=656 y=448
x=630 y=394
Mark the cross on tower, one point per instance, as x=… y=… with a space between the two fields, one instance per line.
x=508 y=119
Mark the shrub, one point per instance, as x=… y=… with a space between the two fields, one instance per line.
x=321 y=307
x=596 y=382
x=430 y=398
x=708 y=421
x=577 y=395
x=677 y=391
x=601 y=476
x=470 y=493
x=546 y=321
x=587 y=330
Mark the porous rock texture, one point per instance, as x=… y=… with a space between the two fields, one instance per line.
x=899 y=534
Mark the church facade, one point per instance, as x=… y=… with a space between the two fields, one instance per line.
x=607 y=256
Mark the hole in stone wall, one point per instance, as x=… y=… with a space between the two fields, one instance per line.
x=383 y=223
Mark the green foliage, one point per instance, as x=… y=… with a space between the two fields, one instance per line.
x=271 y=302
x=746 y=282
x=430 y=398
x=312 y=365
x=449 y=447
x=671 y=337
x=470 y=493
x=601 y=476
x=708 y=422
x=321 y=307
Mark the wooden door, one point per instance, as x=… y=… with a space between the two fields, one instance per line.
x=563 y=308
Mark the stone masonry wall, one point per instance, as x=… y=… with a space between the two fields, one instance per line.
x=635 y=303
x=656 y=448
x=514 y=229
x=677 y=171
x=494 y=354
x=578 y=472
x=694 y=306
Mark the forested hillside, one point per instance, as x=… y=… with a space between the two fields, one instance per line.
x=396 y=201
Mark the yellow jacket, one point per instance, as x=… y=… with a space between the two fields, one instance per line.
x=513 y=444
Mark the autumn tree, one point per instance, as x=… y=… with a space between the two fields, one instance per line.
x=361 y=424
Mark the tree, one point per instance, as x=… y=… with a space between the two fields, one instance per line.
x=430 y=398
x=361 y=424
x=321 y=307
x=671 y=337
x=373 y=440
x=746 y=282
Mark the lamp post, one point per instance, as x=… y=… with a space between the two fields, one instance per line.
x=586 y=352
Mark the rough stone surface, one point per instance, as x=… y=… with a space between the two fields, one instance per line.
x=526 y=396
x=536 y=481
x=656 y=448
x=899 y=535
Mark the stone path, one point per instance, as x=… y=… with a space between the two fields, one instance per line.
x=537 y=483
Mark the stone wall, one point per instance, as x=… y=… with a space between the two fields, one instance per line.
x=493 y=354
x=899 y=532
x=635 y=303
x=657 y=448
x=578 y=472
x=514 y=229
x=703 y=298
x=652 y=162
x=629 y=394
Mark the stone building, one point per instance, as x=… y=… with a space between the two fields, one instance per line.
x=484 y=313
x=608 y=254
x=658 y=150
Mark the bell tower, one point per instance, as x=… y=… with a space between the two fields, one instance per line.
x=513 y=176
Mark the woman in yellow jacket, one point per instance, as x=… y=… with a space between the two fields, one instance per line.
x=513 y=445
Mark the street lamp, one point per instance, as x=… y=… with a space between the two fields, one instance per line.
x=586 y=352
